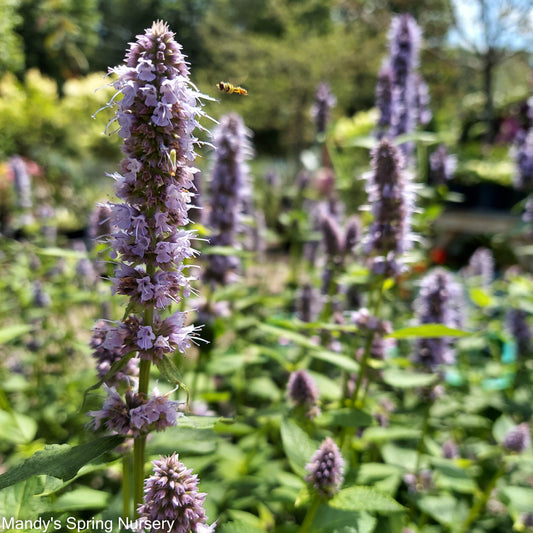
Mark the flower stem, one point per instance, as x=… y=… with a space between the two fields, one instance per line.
x=126 y=485
x=481 y=501
x=311 y=512
x=420 y=448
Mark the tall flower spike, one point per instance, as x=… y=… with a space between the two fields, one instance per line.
x=171 y=493
x=384 y=99
x=391 y=200
x=523 y=179
x=481 y=265
x=441 y=166
x=324 y=101
x=440 y=301
x=157 y=114
x=404 y=42
x=229 y=188
x=326 y=469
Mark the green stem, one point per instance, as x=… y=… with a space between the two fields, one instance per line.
x=126 y=485
x=481 y=501
x=139 y=444
x=420 y=447
x=311 y=512
x=367 y=350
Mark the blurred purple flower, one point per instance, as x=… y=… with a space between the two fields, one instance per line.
x=481 y=266
x=441 y=166
x=523 y=178
x=519 y=328
x=228 y=191
x=518 y=439
x=440 y=301
x=324 y=101
x=302 y=389
x=391 y=200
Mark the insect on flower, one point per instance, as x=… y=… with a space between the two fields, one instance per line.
x=226 y=87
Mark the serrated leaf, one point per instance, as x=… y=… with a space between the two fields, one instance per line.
x=331 y=520
x=427 y=331
x=298 y=447
x=352 y=418
x=10 y=333
x=365 y=499
x=61 y=461
x=403 y=379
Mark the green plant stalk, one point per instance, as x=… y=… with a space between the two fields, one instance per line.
x=310 y=515
x=139 y=444
x=481 y=500
x=420 y=447
x=126 y=485
x=366 y=353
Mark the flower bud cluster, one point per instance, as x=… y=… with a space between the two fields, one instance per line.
x=326 y=469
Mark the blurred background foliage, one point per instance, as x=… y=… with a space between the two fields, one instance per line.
x=55 y=53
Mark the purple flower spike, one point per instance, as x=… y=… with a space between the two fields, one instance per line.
x=326 y=469
x=228 y=192
x=518 y=439
x=324 y=101
x=524 y=162
x=441 y=166
x=303 y=392
x=171 y=494
x=481 y=265
x=157 y=115
x=402 y=96
x=520 y=330
x=391 y=200
x=440 y=301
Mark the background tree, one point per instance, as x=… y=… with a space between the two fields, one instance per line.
x=58 y=36
x=492 y=31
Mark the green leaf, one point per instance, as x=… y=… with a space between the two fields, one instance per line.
x=59 y=460
x=342 y=361
x=449 y=476
x=82 y=498
x=383 y=434
x=298 y=447
x=365 y=499
x=170 y=372
x=61 y=252
x=444 y=508
x=22 y=501
x=17 y=428
x=237 y=527
x=427 y=331
x=351 y=418
x=331 y=520
x=519 y=498
x=480 y=297
x=10 y=333
x=403 y=379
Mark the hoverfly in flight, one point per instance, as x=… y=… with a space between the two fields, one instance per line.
x=226 y=87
